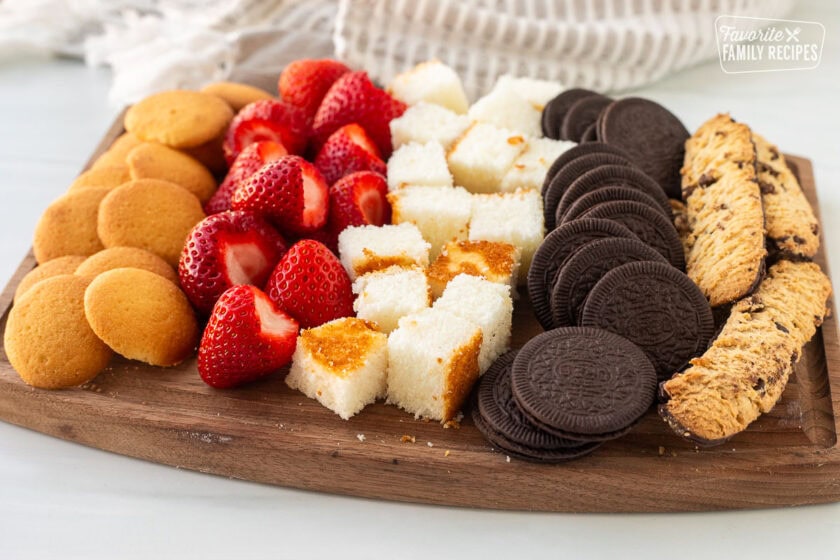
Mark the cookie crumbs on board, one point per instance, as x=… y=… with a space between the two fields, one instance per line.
x=408 y=439
x=430 y=444
x=446 y=453
x=361 y=437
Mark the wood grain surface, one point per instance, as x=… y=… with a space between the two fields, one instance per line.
x=267 y=433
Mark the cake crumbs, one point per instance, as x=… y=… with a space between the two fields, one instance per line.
x=446 y=453
x=507 y=458
x=408 y=439
x=661 y=451
x=360 y=437
x=430 y=444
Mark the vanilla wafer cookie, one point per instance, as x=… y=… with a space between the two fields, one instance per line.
x=723 y=206
x=792 y=228
x=745 y=370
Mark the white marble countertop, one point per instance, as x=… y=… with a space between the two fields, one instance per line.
x=62 y=500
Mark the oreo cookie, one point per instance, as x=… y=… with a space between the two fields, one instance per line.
x=590 y=134
x=582 y=114
x=555 y=110
x=656 y=307
x=552 y=253
x=606 y=194
x=583 y=383
x=649 y=225
x=585 y=269
x=568 y=174
x=652 y=135
x=576 y=152
x=612 y=176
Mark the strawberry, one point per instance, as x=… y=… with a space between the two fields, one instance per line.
x=304 y=82
x=326 y=236
x=359 y=199
x=354 y=99
x=311 y=285
x=247 y=162
x=267 y=119
x=224 y=250
x=291 y=192
x=247 y=337
x=347 y=150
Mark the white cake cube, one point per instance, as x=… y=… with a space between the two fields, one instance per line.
x=480 y=159
x=418 y=164
x=442 y=214
x=504 y=108
x=342 y=364
x=536 y=92
x=431 y=81
x=495 y=261
x=432 y=363
x=529 y=169
x=385 y=296
x=515 y=218
x=364 y=249
x=427 y=122
x=486 y=304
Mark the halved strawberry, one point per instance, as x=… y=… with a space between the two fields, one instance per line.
x=359 y=199
x=347 y=150
x=224 y=250
x=354 y=99
x=247 y=338
x=311 y=285
x=304 y=82
x=267 y=119
x=291 y=192
x=246 y=164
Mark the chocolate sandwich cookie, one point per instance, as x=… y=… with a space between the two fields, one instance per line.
x=586 y=267
x=583 y=113
x=576 y=152
x=649 y=225
x=612 y=176
x=652 y=135
x=553 y=252
x=568 y=174
x=555 y=110
x=590 y=134
x=657 y=308
x=606 y=194
x=583 y=383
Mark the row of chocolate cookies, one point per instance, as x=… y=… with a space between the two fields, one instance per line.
x=650 y=135
x=563 y=394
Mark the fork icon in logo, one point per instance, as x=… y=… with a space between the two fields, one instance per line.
x=792 y=34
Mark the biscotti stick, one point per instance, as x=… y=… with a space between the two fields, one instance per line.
x=744 y=372
x=792 y=228
x=723 y=205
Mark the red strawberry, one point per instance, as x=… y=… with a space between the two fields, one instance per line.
x=354 y=99
x=246 y=164
x=359 y=199
x=310 y=283
x=267 y=119
x=247 y=337
x=347 y=150
x=304 y=82
x=224 y=250
x=290 y=191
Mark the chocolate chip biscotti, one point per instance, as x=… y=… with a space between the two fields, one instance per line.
x=792 y=228
x=724 y=210
x=745 y=370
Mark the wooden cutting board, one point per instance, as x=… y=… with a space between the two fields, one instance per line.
x=268 y=433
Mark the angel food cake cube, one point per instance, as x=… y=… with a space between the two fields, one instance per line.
x=442 y=214
x=433 y=363
x=341 y=364
x=486 y=304
x=480 y=159
x=536 y=92
x=433 y=82
x=364 y=249
x=495 y=261
x=427 y=122
x=515 y=218
x=529 y=169
x=385 y=296
x=418 y=164
x=504 y=108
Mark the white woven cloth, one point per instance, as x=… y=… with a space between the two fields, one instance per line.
x=157 y=44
